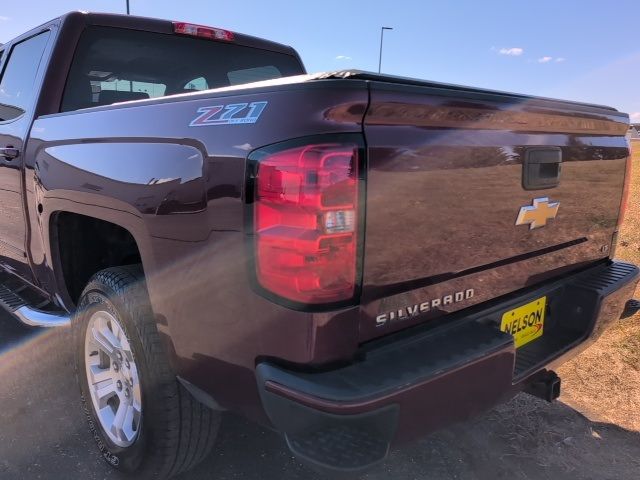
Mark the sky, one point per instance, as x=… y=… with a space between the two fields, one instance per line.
x=585 y=50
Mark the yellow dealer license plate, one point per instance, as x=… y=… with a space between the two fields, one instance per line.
x=525 y=323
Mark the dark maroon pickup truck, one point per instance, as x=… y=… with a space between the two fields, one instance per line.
x=351 y=259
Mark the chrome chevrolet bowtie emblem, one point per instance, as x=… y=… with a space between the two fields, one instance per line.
x=536 y=216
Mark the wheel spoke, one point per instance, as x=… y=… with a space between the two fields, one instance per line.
x=127 y=428
x=99 y=375
x=127 y=354
x=106 y=340
x=117 y=427
x=114 y=328
x=104 y=391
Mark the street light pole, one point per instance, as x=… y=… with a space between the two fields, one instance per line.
x=382 y=29
x=128 y=10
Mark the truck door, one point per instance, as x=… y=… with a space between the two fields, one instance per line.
x=18 y=92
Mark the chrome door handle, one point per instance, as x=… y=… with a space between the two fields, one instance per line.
x=9 y=153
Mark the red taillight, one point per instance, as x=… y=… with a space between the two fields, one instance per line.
x=625 y=190
x=306 y=222
x=202 y=31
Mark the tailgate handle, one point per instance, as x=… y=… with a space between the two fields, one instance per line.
x=541 y=168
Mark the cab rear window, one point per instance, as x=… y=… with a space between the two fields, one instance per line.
x=116 y=65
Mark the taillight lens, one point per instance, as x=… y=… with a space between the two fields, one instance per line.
x=306 y=222
x=202 y=31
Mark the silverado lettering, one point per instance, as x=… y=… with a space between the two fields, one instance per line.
x=423 y=307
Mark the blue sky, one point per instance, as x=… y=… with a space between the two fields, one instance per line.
x=581 y=50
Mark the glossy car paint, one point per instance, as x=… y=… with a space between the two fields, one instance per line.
x=114 y=163
x=452 y=163
x=179 y=191
x=187 y=217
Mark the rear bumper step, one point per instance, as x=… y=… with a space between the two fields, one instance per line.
x=346 y=419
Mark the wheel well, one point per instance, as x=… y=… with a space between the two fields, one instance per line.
x=87 y=245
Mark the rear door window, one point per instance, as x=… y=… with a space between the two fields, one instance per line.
x=17 y=85
x=115 y=65
x=255 y=74
x=197 y=84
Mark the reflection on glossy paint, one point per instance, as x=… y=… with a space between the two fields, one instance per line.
x=453 y=169
x=154 y=178
x=133 y=162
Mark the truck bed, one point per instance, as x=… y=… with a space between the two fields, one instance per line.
x=443 y=180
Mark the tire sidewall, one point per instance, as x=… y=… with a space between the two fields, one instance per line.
x=128 y=458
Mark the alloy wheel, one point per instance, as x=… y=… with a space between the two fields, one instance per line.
x=113 y=378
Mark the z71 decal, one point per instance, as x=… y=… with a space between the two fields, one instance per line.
x=233 y=114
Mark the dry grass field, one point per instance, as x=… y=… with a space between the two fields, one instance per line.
x=629 y=241
x=604 y=381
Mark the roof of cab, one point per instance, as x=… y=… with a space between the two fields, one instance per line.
x=166 y=26
x=153 y=25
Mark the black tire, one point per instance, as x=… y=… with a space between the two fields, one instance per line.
x=176 y=431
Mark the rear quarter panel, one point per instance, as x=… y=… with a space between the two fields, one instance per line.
x=179 y=191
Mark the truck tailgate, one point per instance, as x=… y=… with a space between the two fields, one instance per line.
x=445 y=189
